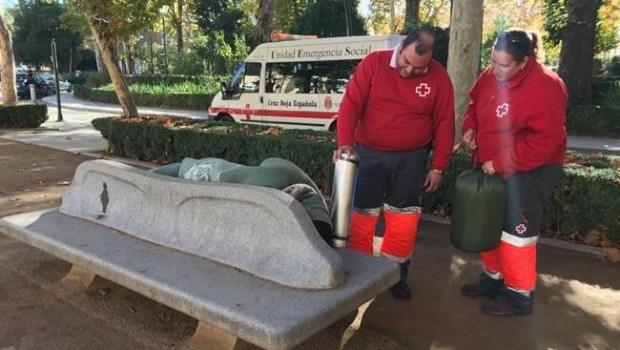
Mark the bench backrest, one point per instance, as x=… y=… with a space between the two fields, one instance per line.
x=262 y=231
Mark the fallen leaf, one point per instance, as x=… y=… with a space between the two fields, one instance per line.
x=593 y=237
x=38 y=181
x=612 y=253
x=607 y=243
x=63 y=183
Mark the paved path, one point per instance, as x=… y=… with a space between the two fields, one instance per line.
x=576 y=308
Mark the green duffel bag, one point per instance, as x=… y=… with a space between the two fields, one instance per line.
x=477 y=211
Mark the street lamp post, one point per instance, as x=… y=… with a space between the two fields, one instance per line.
x=163 y=12
x=56 y=84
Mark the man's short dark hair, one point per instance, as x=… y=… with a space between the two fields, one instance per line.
x=421 y=45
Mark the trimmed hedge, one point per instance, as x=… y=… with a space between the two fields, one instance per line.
x=593 y=121
x=167 y=79
x=588 y=197
x=23 y=116
x=182 y=101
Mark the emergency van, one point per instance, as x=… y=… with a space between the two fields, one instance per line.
x=294 y=84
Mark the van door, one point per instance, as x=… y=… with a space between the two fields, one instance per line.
x=245 y=98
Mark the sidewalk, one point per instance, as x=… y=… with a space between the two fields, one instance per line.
x=68 y=101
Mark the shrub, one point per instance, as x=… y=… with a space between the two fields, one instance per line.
x=199 y=97
x=97 y=79
x=593 y=121
x=23 y=116
x=587 y=197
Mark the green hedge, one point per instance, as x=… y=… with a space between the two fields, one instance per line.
x=181 y=101
x=593 y=121
x=170 y=79
x=23 y=116
x=588 y=197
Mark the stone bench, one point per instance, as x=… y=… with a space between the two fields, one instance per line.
x=246 y=261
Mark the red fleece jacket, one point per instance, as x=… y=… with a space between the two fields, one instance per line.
x=519 y=124
x=385 y=112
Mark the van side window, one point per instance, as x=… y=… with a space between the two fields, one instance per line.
x=323 y=77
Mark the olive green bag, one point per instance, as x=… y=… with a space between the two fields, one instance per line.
x=477 y=211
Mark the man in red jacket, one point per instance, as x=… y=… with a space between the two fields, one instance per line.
x=515 y=127
x=398 y=105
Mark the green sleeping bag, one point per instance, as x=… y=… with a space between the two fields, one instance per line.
x=477 y=211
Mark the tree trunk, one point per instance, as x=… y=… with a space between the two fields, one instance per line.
x=464 y=53
x=7 y=64
x=264 y=21
x=100 y=65
x=178 y=24
x=71 y=60
x=577 y=53
x=120 y=86
x=412 y=11
x=128 y=58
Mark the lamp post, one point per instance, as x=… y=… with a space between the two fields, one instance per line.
x=163 y=11
x=56 y=85
x=151 y=51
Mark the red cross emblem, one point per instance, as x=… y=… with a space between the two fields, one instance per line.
x=247 y=112
x=521 y=228
x=423 y=89
x=502 y=110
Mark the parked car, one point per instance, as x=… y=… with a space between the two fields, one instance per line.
x=40 y=86
x=63 y=84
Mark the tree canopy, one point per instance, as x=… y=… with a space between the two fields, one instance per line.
x=326 y=18
x=36 y=23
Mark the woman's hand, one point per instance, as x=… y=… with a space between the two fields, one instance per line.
x=469 y=138
x=488 y=168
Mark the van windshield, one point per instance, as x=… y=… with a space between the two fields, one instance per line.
x=246 y=78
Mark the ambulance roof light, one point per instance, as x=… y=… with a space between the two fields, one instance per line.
x=278 y=35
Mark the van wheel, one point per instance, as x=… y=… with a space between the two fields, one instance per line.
x=226 y=119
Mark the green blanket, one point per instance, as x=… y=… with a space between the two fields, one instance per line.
x=272 y=172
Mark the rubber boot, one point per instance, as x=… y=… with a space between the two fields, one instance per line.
x=485 y=287
x=401 y=290
x=510 y=302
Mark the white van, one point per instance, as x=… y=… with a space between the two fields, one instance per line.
x=294 y=84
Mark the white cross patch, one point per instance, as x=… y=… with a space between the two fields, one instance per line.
x=423 y=89
x=502 y=110
x=521 y=228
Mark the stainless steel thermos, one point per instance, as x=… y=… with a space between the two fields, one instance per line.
x=342 y=198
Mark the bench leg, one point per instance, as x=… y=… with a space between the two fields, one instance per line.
x=209 y=337
x=80 y=274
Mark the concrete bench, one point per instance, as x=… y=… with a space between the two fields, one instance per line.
x=245 y=261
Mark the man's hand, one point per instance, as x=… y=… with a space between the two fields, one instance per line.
x=469 y=138
x=432 y=181
x=343 y=150
x=488 y=168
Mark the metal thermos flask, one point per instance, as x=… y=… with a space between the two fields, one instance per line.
x=342 y=198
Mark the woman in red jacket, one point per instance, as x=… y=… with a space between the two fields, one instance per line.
x=515 y=128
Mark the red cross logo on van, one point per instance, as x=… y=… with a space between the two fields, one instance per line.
x=423 y=89
x=502 y=110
